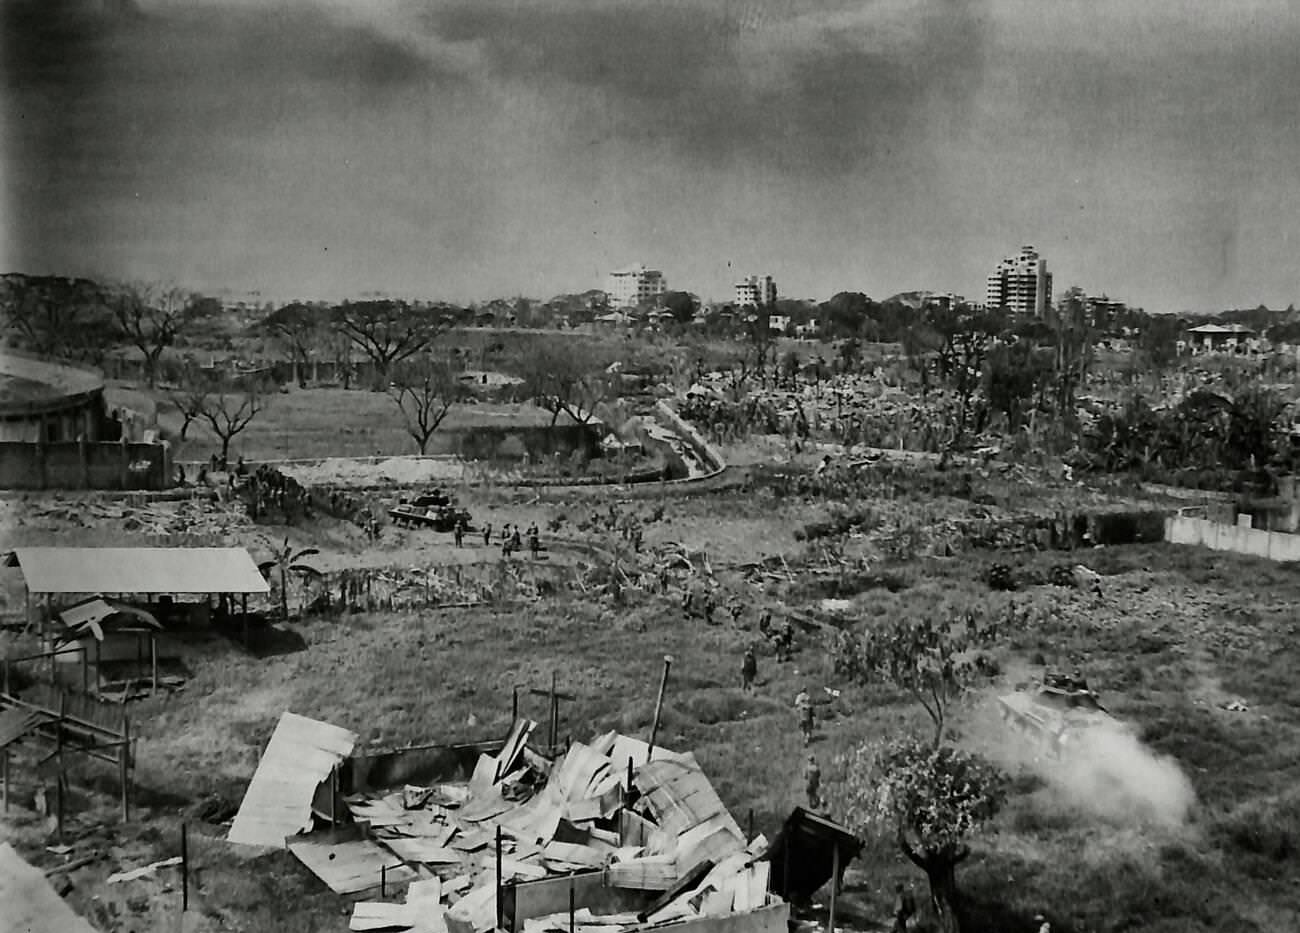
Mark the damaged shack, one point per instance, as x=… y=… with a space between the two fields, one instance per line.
x=598 y=837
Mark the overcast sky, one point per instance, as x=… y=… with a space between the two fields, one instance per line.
x=465 y=149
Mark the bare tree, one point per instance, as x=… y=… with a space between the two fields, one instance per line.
x=225 y=405
x=424 y=391
x=150 y=318
x=388 y=332
x=190 y=398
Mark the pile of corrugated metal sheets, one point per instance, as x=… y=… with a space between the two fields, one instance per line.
x=573 y=815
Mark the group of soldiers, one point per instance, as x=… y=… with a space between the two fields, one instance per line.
x=512 y=540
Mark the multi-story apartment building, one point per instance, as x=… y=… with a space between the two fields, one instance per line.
x=635 y=285
x=1021 y=284
x=757 y=291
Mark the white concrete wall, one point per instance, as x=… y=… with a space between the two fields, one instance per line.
x=1272 y=545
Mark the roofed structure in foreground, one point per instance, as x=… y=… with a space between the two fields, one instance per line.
x=138 y=570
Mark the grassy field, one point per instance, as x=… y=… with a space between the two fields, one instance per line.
x=314 y=423
x=1177 y=633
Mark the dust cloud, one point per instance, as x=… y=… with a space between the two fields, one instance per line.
x=1105 y=772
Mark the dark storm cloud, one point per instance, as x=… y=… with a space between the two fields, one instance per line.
x=823 y=91
x=142 y=106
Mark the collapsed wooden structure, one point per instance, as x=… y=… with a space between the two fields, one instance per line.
x=606 y=837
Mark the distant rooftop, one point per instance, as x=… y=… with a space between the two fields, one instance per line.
x=637 y=268
x=1237 y=329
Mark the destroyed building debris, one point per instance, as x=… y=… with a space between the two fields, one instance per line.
x=600 y=838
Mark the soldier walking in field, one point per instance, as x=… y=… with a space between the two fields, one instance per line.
x=748 y=670
x=459 y=533
x=804 y=710
x=487 y=533
x=812 y=775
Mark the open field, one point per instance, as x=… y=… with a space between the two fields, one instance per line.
x=307 y=424
x=1177 y=634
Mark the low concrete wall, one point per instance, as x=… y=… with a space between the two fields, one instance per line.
x=85 y=465
x=1240 y=539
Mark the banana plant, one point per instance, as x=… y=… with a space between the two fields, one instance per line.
x=289 y=562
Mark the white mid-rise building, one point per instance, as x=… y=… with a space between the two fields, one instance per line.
x=757 y=291
x=635 y=285
x=1021 y=284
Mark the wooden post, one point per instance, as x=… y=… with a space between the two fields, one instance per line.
x=124 y=769
x=53 y=680
x=835 y=885
x=555 y=712
x=571 y=902
x=751 y=825
x=514 y=705
x=243 y=610
x=153 y=660
x=785 y=868
x=58 y=790
x=334 y=795
x=98 y=660
x=6 y=676
x=659 y=706
x=85 y=669
x=500 y=902
x=383 y=880
x=185 y=867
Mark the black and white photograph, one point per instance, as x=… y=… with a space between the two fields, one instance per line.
x=649 y=466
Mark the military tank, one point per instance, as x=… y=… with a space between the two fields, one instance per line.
x=1056 y=711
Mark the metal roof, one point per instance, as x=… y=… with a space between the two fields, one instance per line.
x=277 y=804
x=139 y=570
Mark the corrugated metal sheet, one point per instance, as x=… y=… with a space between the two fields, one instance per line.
x=681 y=797
x=139 y=570
x=350 y=867
x=28 y=903
x=278 y=801
x=95 y=611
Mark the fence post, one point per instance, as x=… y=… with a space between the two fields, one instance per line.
x=124 y=768
x=185 y=867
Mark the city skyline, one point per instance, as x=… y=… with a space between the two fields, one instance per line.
x=465 y=151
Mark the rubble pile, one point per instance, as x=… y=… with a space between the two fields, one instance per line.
x=199 y=518
x=651 y=825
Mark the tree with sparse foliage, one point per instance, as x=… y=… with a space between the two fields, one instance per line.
x=565 y=378
x=150 y=319
x=424 y=391
x=931 y=800
x=296 y=327
x=388 y=332
x=226 y=405
x=934 y=661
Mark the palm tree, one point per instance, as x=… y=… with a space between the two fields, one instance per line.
x=288 y=561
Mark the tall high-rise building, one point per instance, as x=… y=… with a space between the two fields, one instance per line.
x=757 y=291
x=635 y=285
x=1021 y=283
